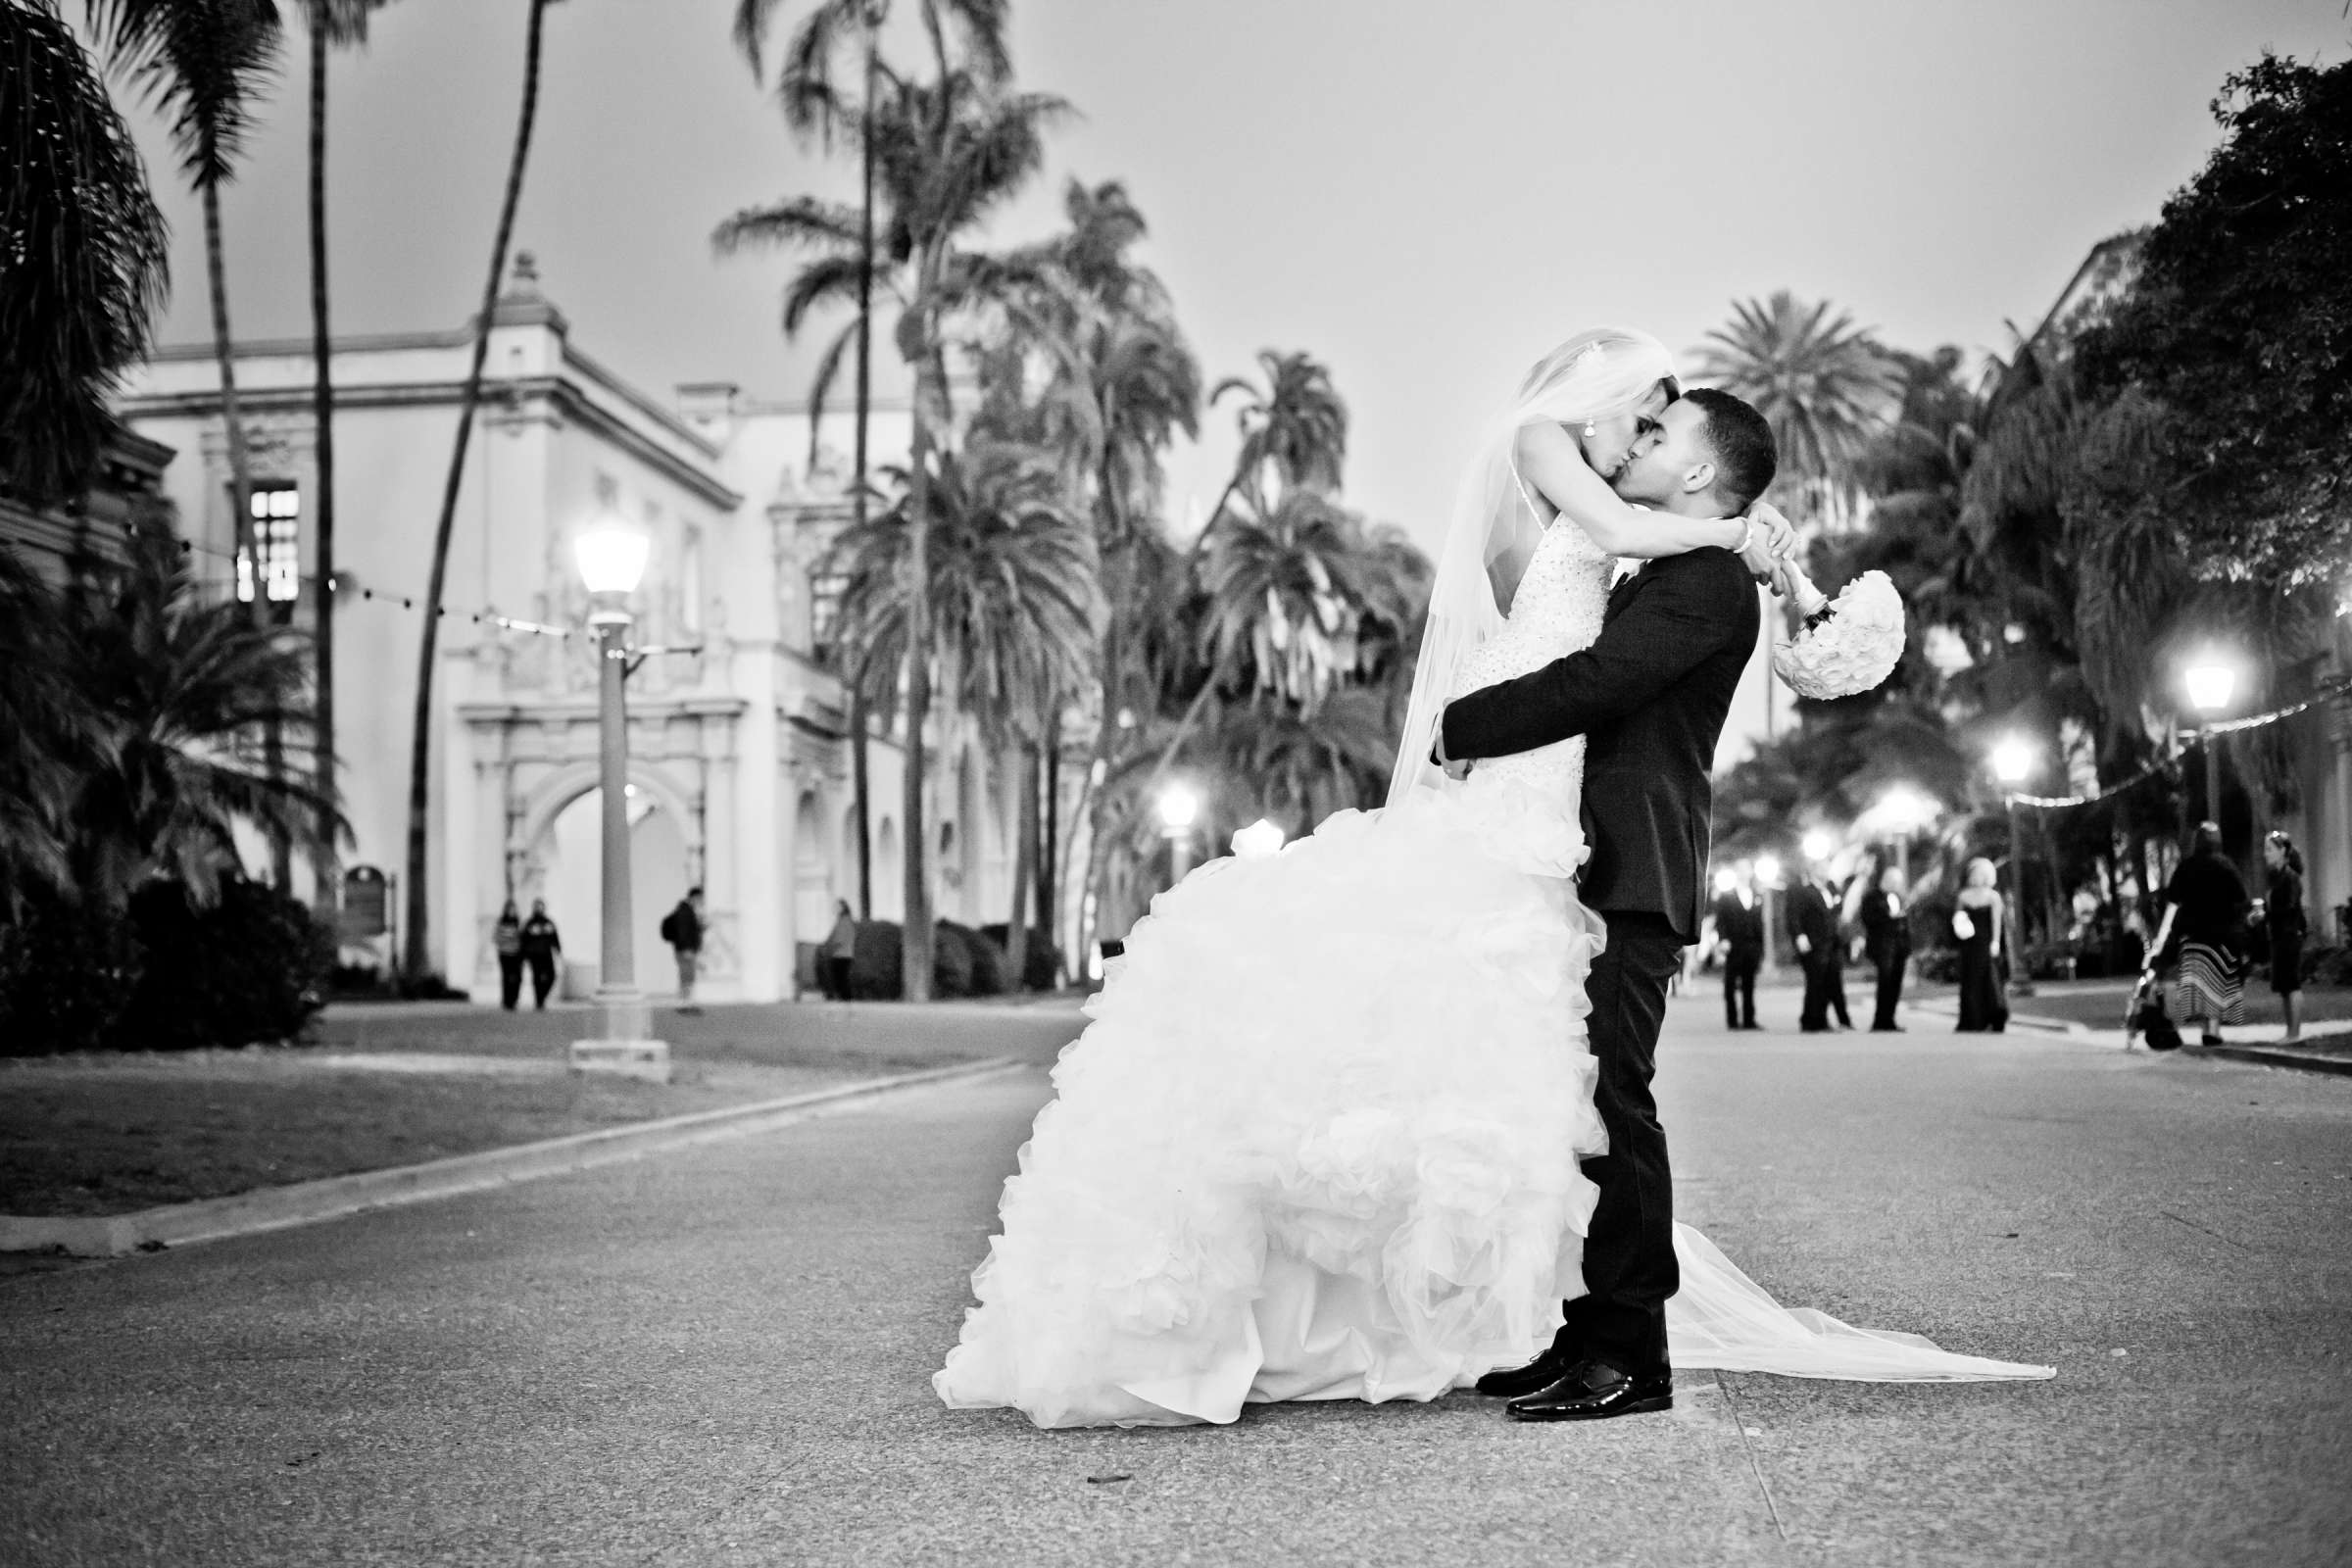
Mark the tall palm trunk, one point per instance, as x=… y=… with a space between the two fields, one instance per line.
x=917 y=937
x=1024 y=867
x=240 y=482
x=863 y=789
x=322 y=417
x=420 y=911
x=858 y=497
x=1048 y=842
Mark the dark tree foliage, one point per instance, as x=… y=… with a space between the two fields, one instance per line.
x=2239 y=331
x=82 y=255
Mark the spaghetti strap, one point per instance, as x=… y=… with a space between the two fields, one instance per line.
x=1528 y=496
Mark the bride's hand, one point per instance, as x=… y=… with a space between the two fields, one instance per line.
x=1777 y=534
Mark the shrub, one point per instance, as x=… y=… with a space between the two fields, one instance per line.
x=1044 y=961
x=964 y=962
x=2327 y=964
x=983 y=971
x=65 y=975
x=253 y=968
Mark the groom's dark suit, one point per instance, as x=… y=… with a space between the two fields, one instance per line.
x=1649 y=696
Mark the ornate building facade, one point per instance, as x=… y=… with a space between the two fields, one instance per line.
x=739 y=757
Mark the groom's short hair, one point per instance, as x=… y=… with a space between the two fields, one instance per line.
x=1745 y=457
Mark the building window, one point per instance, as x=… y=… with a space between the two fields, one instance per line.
x=824 y=612
x=278 y=536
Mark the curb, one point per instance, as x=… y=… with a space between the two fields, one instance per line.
x=2341 y=1066
x=269 y=1208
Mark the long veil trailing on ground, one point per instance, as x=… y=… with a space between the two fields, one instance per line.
x=1592 y=376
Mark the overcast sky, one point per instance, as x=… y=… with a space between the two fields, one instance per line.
x=1424 y=195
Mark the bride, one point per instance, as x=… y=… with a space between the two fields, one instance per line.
x=1322 y=1137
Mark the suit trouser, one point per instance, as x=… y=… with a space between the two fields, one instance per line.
x=1891 y=985
x=1739 y=968
x=510 y=980
x=1629 y=1268
x=1820 y=975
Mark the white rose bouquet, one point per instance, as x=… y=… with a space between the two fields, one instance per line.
x=1846 y=645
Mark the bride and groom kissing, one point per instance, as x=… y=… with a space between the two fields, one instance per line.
x=1350 y=1121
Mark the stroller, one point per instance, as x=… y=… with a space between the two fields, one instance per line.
x=2144 y=1014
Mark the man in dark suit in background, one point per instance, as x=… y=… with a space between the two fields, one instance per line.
x=1813 y=933
x=1886 y=943
x=1740 y=930
x=1649 y=694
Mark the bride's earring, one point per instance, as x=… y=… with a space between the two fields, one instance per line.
x=1587 y=429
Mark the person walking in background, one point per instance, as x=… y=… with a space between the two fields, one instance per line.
x=1813 y=935
x=541 y=946
x=506 y=937
x=1981 y=924
x=2206 y=906
x=682 y=929
x=1886 y=943
x=1740 y=934
x=839 y=953
x=2284 y=924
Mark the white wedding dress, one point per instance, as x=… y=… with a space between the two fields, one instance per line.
x=1321 y=1139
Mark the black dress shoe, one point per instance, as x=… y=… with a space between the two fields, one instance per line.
x=1595 y=1390
x=1517 y=1382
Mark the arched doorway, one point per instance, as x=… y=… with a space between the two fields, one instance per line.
x=570 y=857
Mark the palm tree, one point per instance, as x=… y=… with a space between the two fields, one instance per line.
x=55 y=739
x=1824 y=384
x=182 y=691
x=1295 y=430
x=812 y=104
x=420 y=911
x=1015 y=602
x=89 y=256
x=951 y=151
x=334 y=23
x=203 y=63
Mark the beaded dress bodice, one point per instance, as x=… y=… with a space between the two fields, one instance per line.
x=1557 y=611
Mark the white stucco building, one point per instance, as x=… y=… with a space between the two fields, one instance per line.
x=739 y=765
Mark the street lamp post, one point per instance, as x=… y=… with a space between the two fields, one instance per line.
x=611 y=559
x=1179 y=808
x=1768 y=877
x=2012 y=765
x=2212 y=681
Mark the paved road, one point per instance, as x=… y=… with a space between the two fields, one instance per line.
x=720 y=1357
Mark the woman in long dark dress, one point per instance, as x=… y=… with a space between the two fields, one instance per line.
x=1981 y=924
x=2206 y=907
x=2285 y=924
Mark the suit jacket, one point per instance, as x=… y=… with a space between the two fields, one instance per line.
x=1650 y=697
x=1811 y=917
x=1886 y=926
x=1741 y=926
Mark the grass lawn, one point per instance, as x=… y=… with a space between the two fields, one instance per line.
x=91 y=1134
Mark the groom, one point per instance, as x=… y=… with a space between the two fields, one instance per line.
x=1649 y=694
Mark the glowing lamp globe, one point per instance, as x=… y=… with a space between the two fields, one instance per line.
x=1179 y=808
x=1727 y=881
x=1259 y=839
x=1768 y=870
x=2012 y=761
x=1905 y=810
x=612 y=556
x=1818 y=845
x=2211 y=684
